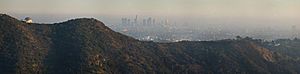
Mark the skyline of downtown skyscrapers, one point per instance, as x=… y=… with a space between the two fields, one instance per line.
x=143 y=21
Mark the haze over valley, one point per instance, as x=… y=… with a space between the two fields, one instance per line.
x=190 y=19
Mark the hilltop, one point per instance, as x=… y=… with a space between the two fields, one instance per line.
x=87 y=46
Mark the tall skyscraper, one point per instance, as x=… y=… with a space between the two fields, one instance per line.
x=166 y=22
x=153 y=21
x=128 y=21
x=149 y=21
x=294 y=31
x=136 y=19
x=144 y=21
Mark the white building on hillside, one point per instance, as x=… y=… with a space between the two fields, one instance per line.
x=28 y=20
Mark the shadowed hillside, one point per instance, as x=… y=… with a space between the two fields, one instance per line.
x=87 y=46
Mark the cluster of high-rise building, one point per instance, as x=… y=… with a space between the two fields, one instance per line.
x=144 y=21
x=158 y=29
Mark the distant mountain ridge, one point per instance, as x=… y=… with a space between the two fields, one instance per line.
x=87 y=46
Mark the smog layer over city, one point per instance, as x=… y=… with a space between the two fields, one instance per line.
x=172 y=20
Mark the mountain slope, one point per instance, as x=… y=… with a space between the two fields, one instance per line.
x=87 y=46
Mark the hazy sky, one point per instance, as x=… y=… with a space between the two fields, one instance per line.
x=221 y=11
x=204 y=8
